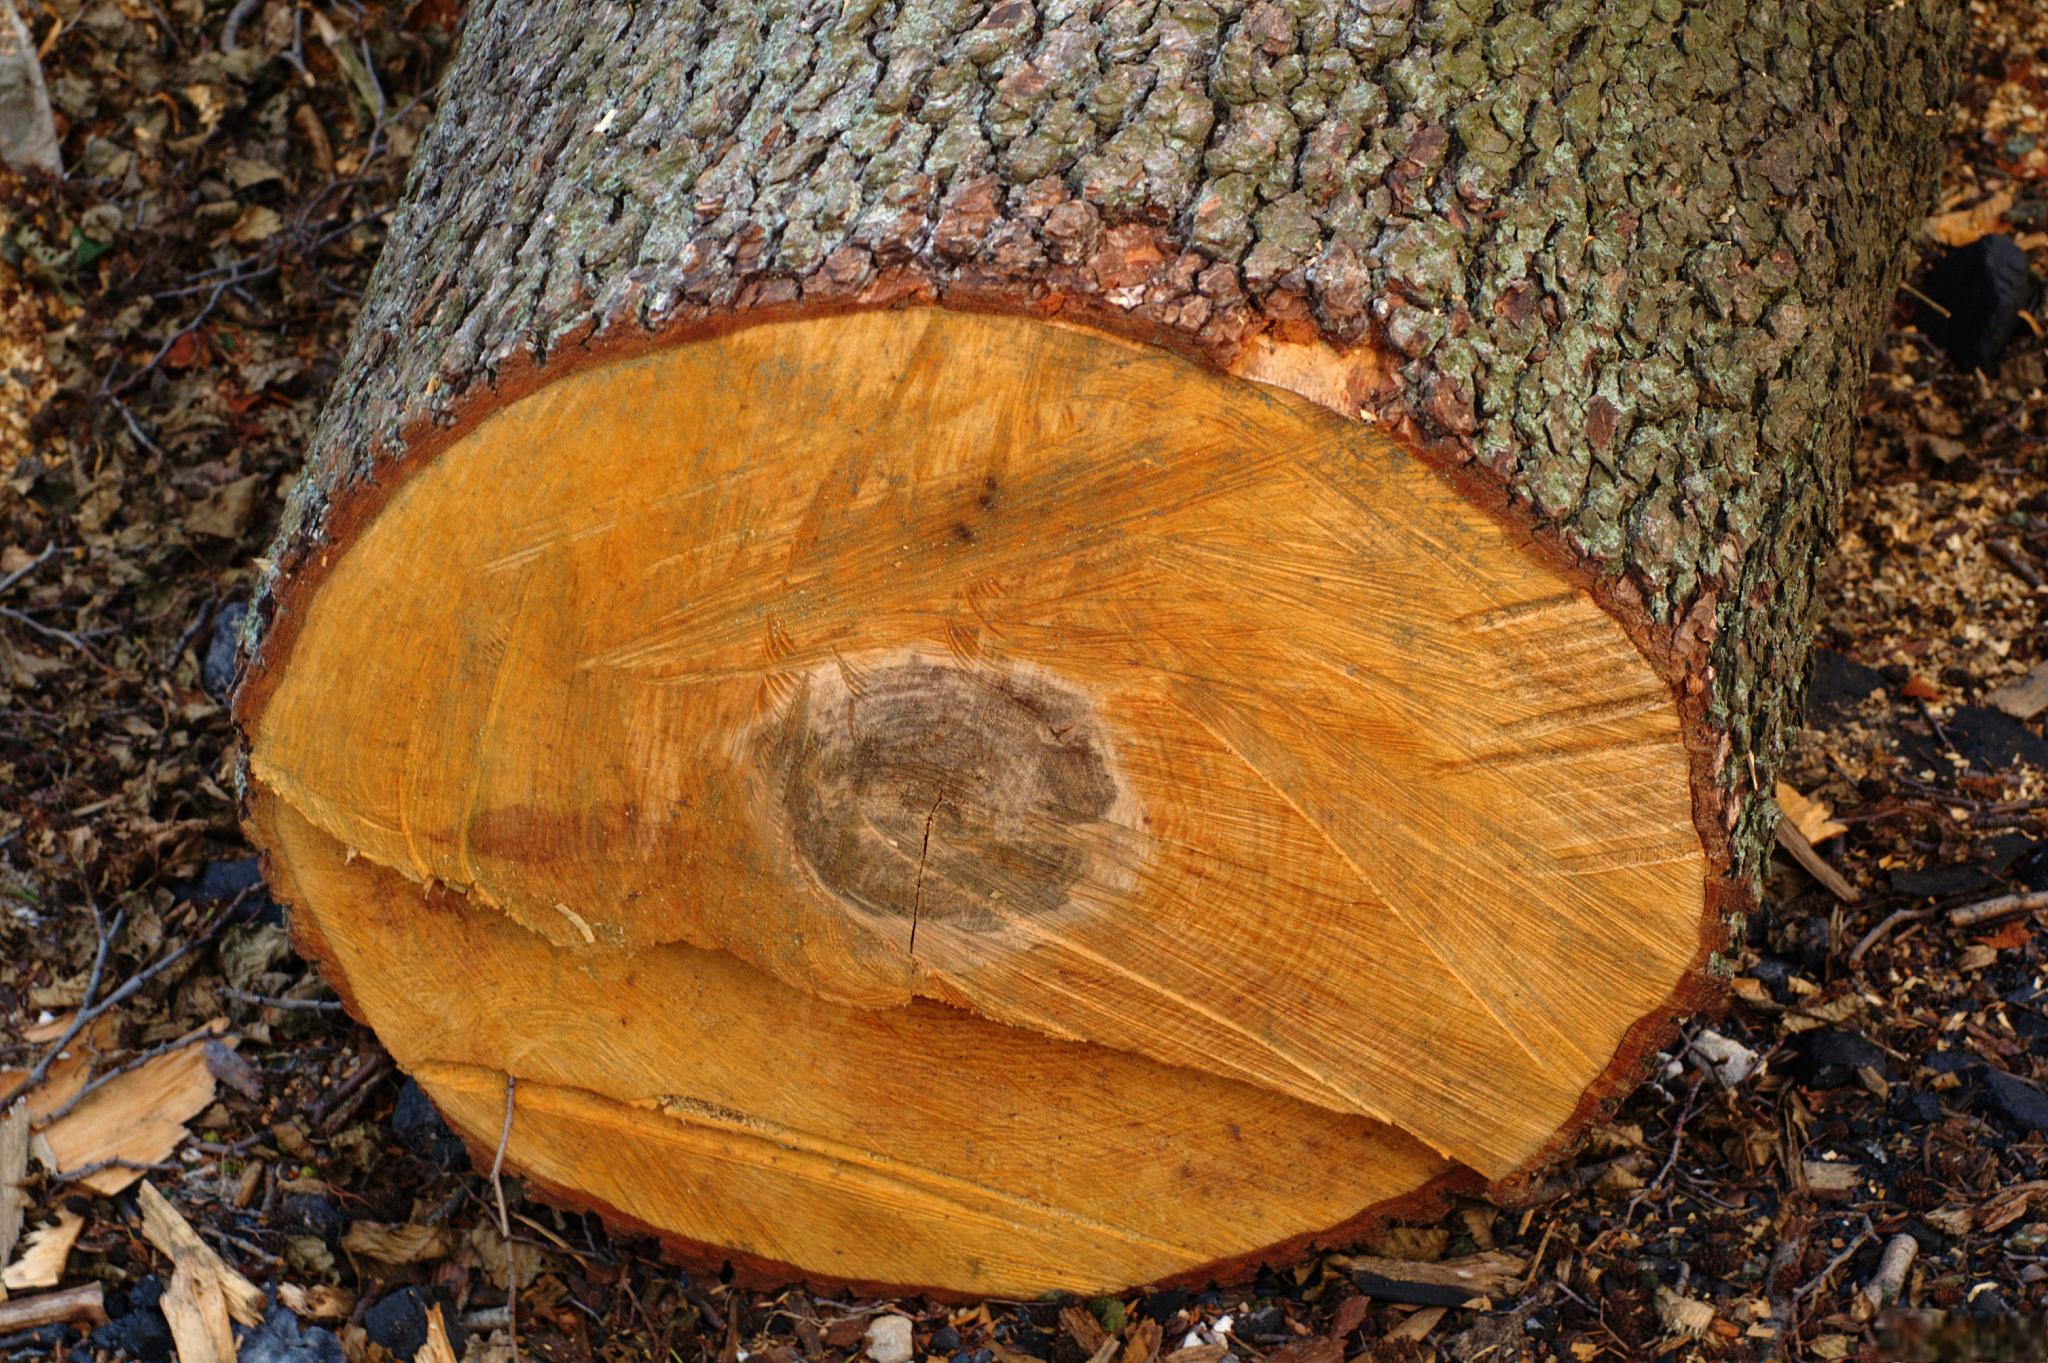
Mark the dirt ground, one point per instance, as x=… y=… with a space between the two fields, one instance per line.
x=172 y=314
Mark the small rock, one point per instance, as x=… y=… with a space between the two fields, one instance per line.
x=139 y=1332
x=217 y=668
x=1730 y=1061
x=399 y=1322
x=1981 y=288
x=420 y=1129
x=888 y=1340
x=2030 y=867
x=1829 y=1060
x=2018 y=1102
x=1162 y=1306
x=311 y=1214
x=280 y=1339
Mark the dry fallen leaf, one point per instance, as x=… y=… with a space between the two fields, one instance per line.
x=1962 y=226
x=401 y=1244
x=1812 y=817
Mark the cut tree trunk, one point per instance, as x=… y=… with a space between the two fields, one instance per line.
x=1001 y=648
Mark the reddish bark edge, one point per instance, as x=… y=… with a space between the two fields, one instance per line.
x=1676 y=652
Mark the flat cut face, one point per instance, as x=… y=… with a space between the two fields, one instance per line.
x=1111 y=700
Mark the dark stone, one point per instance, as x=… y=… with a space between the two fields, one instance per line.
x=1951 y=1062
x=1971 y=877
x=1162 y=1306
x=1839 y=685
x=1265 y=1326
x=38 y=1342
x=2030 y=868
x=1915 y=1105
x=217 y=668
x=222 y=881
x=1775 y=974
x=2015 y=1101
x=1993 y=741
x=311 y=1214
x=945 y=1339
x=1828 y=1059
x=280 y=1339
x=138 y=1330
x=1982 y=287
x=420 y=1129
x=399 y=1321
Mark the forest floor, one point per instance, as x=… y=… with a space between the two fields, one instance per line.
x=169 y=318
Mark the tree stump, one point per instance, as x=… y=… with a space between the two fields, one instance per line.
x=1002 y=647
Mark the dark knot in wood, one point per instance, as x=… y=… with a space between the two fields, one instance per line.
x=940 y=792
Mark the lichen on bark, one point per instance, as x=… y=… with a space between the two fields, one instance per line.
x=1628 y=256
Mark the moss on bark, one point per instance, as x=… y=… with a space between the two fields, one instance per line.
x=1630 y=255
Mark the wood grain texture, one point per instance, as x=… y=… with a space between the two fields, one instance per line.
x=1273 y=542
x=1353 y=801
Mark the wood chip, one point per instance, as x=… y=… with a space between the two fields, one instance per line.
x=85 y=1306
x=174 y=1237
x=437 y=1349
x=318 y=1302
x=1417 y=1327
x=1794 y=842
x=1453 y=1282
x=138 y=1117
x=2025 y=698
x=43 y=1258
x=13 y=1169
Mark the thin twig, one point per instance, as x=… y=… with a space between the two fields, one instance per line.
x=101 y=1167
x=89 y=1011
x=505 y=1220
x=25 y=569
x=231 y=32
x=1896 y=918
x=62 y=636
x=272 y=1001
x=1868 y=1234
x=79 y=1020
x=2004 y=906
x=1912 y=292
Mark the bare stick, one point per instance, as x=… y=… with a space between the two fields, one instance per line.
x=1883 y=930
x=2006 y=905
x=505 y=1221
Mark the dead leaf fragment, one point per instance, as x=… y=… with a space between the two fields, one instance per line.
x=1813 y=817
x=1961 y=226
x=408 y=1244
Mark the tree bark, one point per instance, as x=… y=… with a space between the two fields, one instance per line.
x=1612 y=271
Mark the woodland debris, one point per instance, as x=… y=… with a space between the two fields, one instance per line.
x=28 y=135
x=437 y=1349
x=888 y=1339
x=1812 y=817
x=173 y=1236
x=2004 y=906
x=133 y=1118
x=1970 y=299
x=1815 y=865
x=44 y=1255
x=2025 y=697
x=1454 y=1282
x=1889 y=1279
x=73 y=1306
x=13 y=1169
x=398 y=1244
